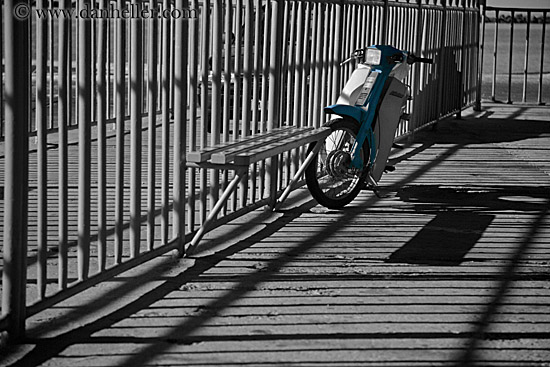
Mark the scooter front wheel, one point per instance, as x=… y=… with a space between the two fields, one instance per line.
x=330 y=177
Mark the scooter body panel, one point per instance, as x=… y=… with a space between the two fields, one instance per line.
x=356 y=113
x=354 y=85
x=387 y=122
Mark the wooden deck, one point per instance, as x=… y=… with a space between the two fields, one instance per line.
x=448 y=265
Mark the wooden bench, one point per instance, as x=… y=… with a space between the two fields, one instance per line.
x=240 y=154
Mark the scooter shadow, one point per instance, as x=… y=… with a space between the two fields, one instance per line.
x=463 y=213
x=462 y=216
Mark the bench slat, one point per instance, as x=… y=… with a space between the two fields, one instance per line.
x=227 y=155
x=275 y=148
x=206 y=153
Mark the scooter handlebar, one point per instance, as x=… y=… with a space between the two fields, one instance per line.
x=412 y=59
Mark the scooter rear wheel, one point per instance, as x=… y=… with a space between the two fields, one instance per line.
x=330 y=178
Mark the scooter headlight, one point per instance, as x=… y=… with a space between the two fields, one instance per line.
x=373 y=56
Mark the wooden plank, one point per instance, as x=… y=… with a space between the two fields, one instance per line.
x=205 y=154
x=272 y=149
x=227 y=155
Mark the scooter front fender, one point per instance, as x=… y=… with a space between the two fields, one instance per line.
x=356 y=113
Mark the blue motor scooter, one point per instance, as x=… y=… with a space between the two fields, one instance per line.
x=369 y=110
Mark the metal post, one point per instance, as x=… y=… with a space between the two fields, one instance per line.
x=542 y=57
x=481 y=48
x=165 y=103
x=495 y=49
x=41 y=118
x=247 y=86
x=84 y=137
x=524 y=99
x=152 y=128
x=509 y=101
x=440 y=60
x=120 y=109
x=205 y=101
x=17 y=118
x=462 y=61
x=180 y=123
x=385 y=22
x=273 y=115
x=416 y=76
x=194 y=57
x=136 y=105
x=101 y=81
x=63 y=77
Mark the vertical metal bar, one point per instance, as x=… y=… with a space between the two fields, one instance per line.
x=227 y=43
x=318 y=67
x=237 y=96
x=312 y=64
x=238 y=70
x=415 y=90
x=205 y=101
x=305 y=61
x=256 y=67
x=51 y=56
x=264 y=88
x=495 y=53
x=385 y=22
x=152 y=128
x=108 y=58
x=292 y=80
x=299 y=68
x=180 y=123
x=84 y=145
x=165 y=181
x=481 y=48
x=462 y=74
x=41 y=116
x=526 y=56
x=273 y=117
x=542 y=58
x=247 y=85
x=227 y=91
x=510 y=57
x=101 y=82
x=93 y=48
x=256 y=87
x=136 y=79
x=325 y=61
x=63 y=75
x=441 y=59
x=120 y=109
x=194 y=56
x=247 y=74
x=330 y=45
x=338 y=39
x=290 y=62
x=266 y=82
x=216 y=111
x=17 y=118
x=2 y=81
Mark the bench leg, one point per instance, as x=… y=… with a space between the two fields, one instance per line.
x=239 y=174
x=296 y=177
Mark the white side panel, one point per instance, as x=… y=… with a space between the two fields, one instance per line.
x=388 y=120
x=353 y=87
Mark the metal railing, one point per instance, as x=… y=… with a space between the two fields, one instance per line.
x=116 y=103
x=515 y=63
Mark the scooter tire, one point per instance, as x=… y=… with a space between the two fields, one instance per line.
x=346 y=125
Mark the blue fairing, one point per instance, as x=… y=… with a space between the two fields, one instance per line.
x=356 y=113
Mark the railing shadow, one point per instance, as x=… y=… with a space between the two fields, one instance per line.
x=428 y=199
